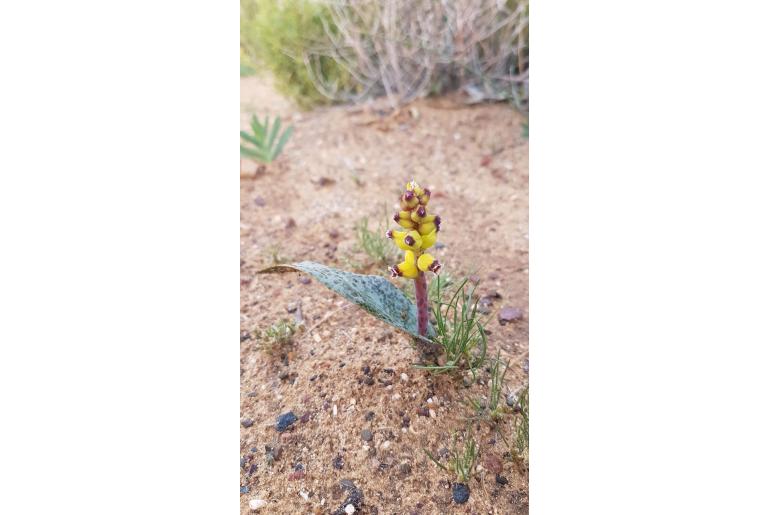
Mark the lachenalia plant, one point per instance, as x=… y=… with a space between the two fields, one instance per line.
x=419 y=233
x=375 y=293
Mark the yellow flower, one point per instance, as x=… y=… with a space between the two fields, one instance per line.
x=406 y=268
x=404 y=219
x=406 y=240
x=427 y=262
x=420 y=234
x=428 y=240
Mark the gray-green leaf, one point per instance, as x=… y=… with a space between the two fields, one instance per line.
x=372 y=292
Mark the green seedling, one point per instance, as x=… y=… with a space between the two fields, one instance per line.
x=264 y=143
x=494 y=407
x=462 y=459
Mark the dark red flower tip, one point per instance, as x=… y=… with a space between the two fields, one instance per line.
x=435 y=266
x=394 y=271
x=389 y=234
x=409 y=240
x=396 y=218
x=421 y=211
x=409 y=195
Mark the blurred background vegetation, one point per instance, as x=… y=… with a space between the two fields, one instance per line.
x=347 y=51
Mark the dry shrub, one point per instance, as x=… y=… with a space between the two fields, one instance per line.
x=406 y=49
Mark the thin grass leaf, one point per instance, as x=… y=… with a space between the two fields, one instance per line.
x=271 y=139
x=283 y=139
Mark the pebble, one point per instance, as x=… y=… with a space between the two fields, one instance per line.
x=423 y=412
x=369 y=416
x=509 y=314
x=244 y=489
x=284 y=421
x=350 y=509
x=304 y=279
x=338 y=462
x=245 y=335
x=305 y=495
x=366 y=435
x=460 y=493
x=432 y=413
x=404 y=377
x=386 y=444
x=511 y=399
x=247 y=422
x=501 y=480
x=255 y=504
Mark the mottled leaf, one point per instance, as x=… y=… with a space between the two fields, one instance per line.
x=372 y=292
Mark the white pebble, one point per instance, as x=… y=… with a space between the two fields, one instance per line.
x=255 y=504
x=432 y=413
x=334 y=410
x=386 y=444
x=353 y=402
x=430 y=400
x=305 y=495
x=404 y=377
x=396 y=396
x=350 y=509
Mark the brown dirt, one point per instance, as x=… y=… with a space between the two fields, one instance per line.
x=340 y=165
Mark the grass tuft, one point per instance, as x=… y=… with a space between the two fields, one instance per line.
x=374 y=244
x=461 y=459
x=521 y=426
x=276 y=337
x=494 y=407
x=459 y=330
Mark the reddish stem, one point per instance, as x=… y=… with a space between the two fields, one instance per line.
x=421 y=296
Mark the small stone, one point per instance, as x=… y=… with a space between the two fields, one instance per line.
x=243 y=462
x=369 y=416
x=460 y=493
x=334 y=410
x=432 y=413
x=305 y=495
x=305 y=417
x=439 y=245
x=405 y=469
x=338 y=462
x=509 y=314
x=283 y=375
x=511 y=399
x=244 y=489
x=247 y=422
x=245 y=335
x=305 y=279
x=423 y=412
x=366 y=435
x=501 y=480
x=259 y=201
x=350 y=509
x=369 y=381
x=386 y=444
x=284 y=421
x=404 y=377
x=291 y=224
x=255 y=504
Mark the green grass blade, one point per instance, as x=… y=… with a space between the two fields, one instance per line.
x=284 y=138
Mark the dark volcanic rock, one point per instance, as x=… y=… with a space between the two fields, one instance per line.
x=284 y=421
x=460 y=493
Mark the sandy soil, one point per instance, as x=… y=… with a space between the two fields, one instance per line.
x=340 y=165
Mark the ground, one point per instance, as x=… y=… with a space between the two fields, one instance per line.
x=349 y=372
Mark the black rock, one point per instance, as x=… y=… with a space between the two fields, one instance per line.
x=355 y=497
x=243 y=462
x=460 y=493
x=501 y=480
x=245 y=335
x=338 y=462
x=366 y=435
x=244 y=489
x=284 y=421
x=247 y=422
x=369 y=416
x=369 y=381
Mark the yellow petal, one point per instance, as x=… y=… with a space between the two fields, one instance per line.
x=411 y=241
x=427 y=227
x=427 y=262
x=428 y=240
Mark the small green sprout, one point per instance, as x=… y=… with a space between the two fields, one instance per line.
x=493 y=408
x=264 y=146
x=521 y=425
x=461 y=459
x=277 y=336
x=376 y=246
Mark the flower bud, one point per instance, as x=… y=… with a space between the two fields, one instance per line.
x=427 y=262
x=428 y=240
